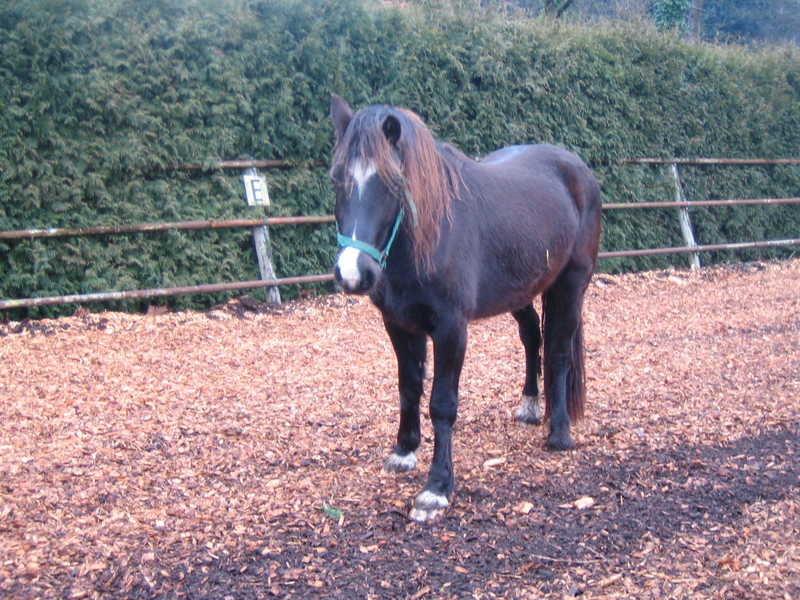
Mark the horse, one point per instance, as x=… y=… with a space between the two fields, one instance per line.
x=436 y=240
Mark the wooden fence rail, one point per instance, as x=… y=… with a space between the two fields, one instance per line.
x=19 y=234
x=680 y=203
x=150 y=227
x=162 y=292
x=696 y=203
x=703 y=248
x=740 y=162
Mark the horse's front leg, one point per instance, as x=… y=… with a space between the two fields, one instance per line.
x=410 y=349
x=449 y=345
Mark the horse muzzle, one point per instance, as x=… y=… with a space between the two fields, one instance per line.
x=356 y=272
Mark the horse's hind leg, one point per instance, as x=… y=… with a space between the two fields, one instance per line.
x=563 y=353
x=410 y=350
x=530 y=410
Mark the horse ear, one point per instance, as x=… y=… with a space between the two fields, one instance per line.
x=391 y=129
x=341 y=115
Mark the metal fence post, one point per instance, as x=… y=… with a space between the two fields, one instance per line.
x=684 y=219
x=256 y=194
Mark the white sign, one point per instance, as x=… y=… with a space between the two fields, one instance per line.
x=255 y=187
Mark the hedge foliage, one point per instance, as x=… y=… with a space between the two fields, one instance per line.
x=96 y=97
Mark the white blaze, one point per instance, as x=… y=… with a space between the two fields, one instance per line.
x=348 y=265
x=361 y=173
x=348 y=259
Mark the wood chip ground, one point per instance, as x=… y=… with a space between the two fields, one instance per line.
x=237 y=454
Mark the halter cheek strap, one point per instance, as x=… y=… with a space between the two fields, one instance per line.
x=379 y=255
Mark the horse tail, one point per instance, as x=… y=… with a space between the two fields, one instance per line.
x=576 y=380
x=554 y=361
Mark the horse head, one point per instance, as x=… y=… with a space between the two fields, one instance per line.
x=390 y=180
x=369 y=205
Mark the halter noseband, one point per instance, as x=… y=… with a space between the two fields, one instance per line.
x=379 y=255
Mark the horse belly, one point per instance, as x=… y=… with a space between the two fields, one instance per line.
x=496 y=298
x=513 y=277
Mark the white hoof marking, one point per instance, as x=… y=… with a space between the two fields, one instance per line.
x=428 y=506
x=399 y=464
x=530 y=411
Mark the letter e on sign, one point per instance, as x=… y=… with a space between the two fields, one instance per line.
x=255 y=187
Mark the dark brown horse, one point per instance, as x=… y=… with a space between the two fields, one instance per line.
x=437 y=239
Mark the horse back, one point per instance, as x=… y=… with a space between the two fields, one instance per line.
x=534 y=209
x=544 y=165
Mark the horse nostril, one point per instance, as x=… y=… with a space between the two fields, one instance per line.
x=337 y=274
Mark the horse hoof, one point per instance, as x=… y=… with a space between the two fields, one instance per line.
x=397 y=463
x=560 y=442
x=530 y=411
x=428 y=507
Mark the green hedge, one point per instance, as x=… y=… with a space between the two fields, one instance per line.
x=96 y=96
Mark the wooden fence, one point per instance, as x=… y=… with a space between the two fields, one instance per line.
x=261 y=234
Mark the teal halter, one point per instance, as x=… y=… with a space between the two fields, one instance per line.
x=379 y=255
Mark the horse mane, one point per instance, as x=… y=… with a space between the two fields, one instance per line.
x=411 y=166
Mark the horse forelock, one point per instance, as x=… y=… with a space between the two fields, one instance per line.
x=364 y=143
x=413 y=168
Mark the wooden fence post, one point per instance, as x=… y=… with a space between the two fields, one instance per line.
x=256 y=194
x=685 y=220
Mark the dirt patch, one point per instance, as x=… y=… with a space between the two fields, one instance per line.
x=237 y=454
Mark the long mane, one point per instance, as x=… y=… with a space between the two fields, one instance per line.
x=413 y=168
